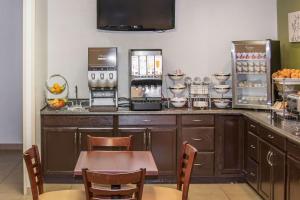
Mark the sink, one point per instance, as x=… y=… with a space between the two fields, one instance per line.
x=77 y=109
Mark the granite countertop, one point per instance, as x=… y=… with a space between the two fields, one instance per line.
x=126 y=111
x=287 y=128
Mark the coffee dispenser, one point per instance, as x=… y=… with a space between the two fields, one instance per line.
x=145 y=79
x=103 y=79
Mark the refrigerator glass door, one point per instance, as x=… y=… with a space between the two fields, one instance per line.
x=251 y=88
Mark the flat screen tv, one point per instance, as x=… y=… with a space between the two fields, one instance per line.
x=136 y=15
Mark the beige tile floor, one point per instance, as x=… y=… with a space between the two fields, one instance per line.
x=11 y=180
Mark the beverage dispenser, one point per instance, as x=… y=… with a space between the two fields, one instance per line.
x=145 y=79
x=103 y=79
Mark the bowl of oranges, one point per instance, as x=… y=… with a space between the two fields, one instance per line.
x=56 y=84
x=57 y=92
x=57 y=103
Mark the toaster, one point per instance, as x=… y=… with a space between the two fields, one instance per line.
x=293 y=103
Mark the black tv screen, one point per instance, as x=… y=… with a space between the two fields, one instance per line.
x=135 y=15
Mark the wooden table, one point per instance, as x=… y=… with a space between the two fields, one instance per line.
x=116 y=162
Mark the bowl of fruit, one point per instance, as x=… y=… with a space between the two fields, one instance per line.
x=57 y=103
x=56 y=84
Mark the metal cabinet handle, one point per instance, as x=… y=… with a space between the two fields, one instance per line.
x=270 y=157
x=197 y=120
x=80 y=140
x=252 y=126
x=149 y=140
x=75 y=144
x=252 y=146
x=94 y=129
x=145 y=139
x=146 y=120
x=197 y=139
x=271 y=136
x=198 y=164
x=252 y=174
x=75 y=138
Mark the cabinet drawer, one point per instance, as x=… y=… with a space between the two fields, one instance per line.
x=78 y=121
x=252 y=127
x=198 y=120
x=202 y=138
x=252 y=146
x=272 y=137
x=141 y=120
x=293 y=149
x=251 y=173
x=204 y=165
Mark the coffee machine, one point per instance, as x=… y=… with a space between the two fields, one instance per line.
x=145 y=79
x=103 y=79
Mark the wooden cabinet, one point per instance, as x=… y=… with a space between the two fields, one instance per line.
x=59 y=150
x=197 y=120
x=162 y=144
x=271 y=172
x=293 y=171
x=202 y=138
x=272 y=137
x=251 y=174
x=147 y=120
x=204 y=164
x=63 y=137
x=251 y=153
x=252 y=146
x=139 y=137
x=155 y=133
x=199 y=131
x=226 y=144
x=229 y=145
x=95 y=132
x=293 y=178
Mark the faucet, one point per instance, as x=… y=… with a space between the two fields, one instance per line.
x=76 y=95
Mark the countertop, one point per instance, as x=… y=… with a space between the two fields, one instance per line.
x=287 y=128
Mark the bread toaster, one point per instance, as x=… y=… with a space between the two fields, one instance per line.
x=293 y=103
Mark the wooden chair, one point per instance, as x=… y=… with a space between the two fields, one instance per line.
x=33 y=164
x=185 y=168
x=95 y=190
x=96 y=142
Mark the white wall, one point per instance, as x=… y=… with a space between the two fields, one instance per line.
x=200 y=44
x=11 y=71
x=40 y=62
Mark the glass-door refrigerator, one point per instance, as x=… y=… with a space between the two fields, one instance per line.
x=253 y=63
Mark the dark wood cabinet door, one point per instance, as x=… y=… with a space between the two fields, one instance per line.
x=95 y=132
x=59 y=152
x=251 y=146
x=271 y=172
x=204 y=165
x=293 y=179
x=162 y=143
x=229 y=145
x=251 y=173
x=139 y=137
x=277 y=160
x=265 y=174
x=202 y=138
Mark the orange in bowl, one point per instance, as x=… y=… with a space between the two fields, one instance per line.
x=57 y=103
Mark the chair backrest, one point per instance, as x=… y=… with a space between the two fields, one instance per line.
x=115 y=181
x=34 y=168
x=186 y=163
x=96 y=142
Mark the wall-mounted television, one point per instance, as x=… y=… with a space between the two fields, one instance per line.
x=136 y=15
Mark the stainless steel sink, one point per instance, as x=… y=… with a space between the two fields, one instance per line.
x=77 y=109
